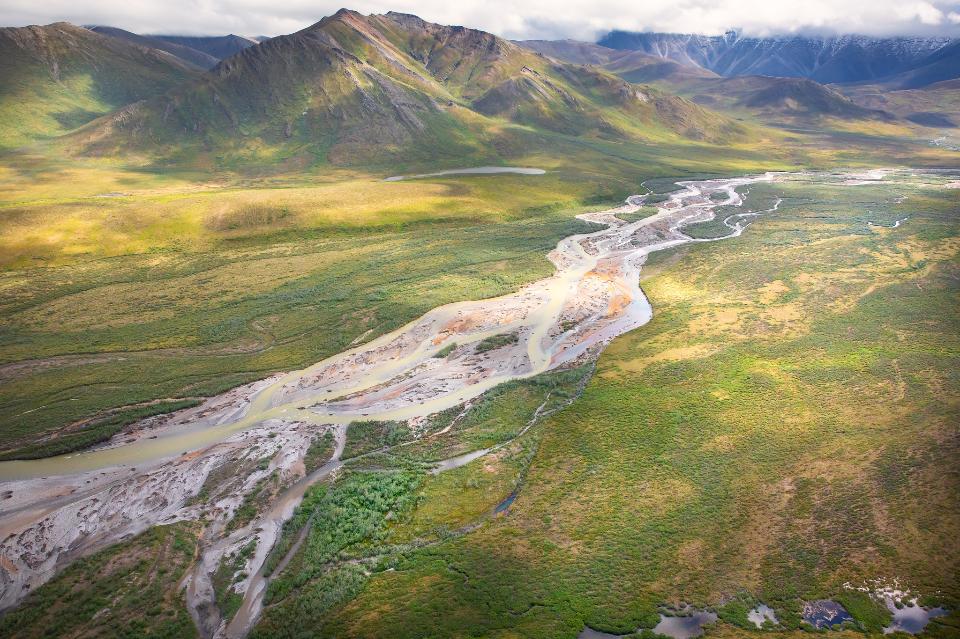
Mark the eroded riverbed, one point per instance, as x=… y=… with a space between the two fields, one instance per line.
x=64 y=507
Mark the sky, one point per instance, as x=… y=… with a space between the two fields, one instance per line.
x=517 y=19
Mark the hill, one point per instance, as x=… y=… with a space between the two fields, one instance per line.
x=354 y=89
x=936 y=105
x=190 y=55
x=60 y=76
x=773 y=98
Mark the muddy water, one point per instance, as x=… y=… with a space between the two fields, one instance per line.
x=685 y=627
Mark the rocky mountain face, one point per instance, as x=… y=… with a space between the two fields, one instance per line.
x=833 y=59
x=355 y=88
x=60 y=76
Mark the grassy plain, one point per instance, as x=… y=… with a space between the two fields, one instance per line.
x=784 y=425
x=121 y=286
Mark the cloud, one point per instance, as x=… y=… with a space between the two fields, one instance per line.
x=581 y=19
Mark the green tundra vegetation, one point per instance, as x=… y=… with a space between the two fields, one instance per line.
x=183 y=288
x=783 y=426
x=128 y=591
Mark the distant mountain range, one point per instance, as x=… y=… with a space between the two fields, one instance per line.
x=906 y=62
x=773 y=99
x=203 y=52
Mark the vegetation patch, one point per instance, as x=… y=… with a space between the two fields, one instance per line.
x=497 y=341
x=131 y=589
x=365 y=437
x=446 y=350
x=319 y=452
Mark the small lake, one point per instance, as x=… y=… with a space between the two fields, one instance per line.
x=684 y=627
x=910 y=618
x=675 y=627
x=825 y=613
x=478 y=170
x=762 y=613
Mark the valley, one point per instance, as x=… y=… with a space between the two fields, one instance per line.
x=389 y=328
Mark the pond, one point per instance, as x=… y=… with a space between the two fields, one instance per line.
x=825 y=613
x=762 y=613
x=684 y=627
x=910 y=618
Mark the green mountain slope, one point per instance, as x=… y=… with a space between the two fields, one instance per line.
x=58 y=77
x=356 y=89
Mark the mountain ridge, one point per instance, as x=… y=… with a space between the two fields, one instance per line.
x=60 y=76
x=355 y=88
x=826 y=59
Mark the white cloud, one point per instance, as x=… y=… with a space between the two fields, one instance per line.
x=582 y=19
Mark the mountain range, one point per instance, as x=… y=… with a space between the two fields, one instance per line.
x=366 y=89
x=776 y=100
x=907 y=62
x=354 y=89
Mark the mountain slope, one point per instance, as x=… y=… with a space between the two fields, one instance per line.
x=58 y=77
x=847 y=58
x=218 y=47
x=942 y=65
x=359 y=89
x=192 y=56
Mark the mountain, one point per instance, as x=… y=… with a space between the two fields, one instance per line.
x=218 y=47
x=574 y=51
x=939 y=66
x=772 y=99
x=633 y=66
x=826 y=59
x=188 y=54
x=60 y=76
x=359 y=89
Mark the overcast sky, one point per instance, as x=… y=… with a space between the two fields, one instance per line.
x=580 y=19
